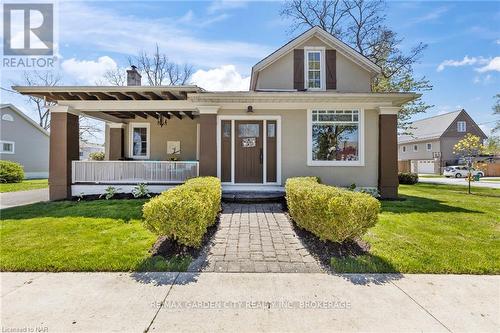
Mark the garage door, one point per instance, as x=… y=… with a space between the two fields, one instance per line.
x=426 y=166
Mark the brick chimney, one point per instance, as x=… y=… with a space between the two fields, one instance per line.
x=133 y=77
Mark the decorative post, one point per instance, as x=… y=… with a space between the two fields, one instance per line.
x=388 y=152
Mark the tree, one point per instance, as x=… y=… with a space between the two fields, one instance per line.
x=361 y=24
x=114 y=77
x=159 y=70
x=88 y=129
x=496 y=111
x=45 y=78
x=492 y=146
x=468 y=148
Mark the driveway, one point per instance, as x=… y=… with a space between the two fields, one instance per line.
x=239 y=302
x=459 y=181
x=21 y=198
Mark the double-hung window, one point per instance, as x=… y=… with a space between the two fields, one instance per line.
x=314 y=70
x=335 y=137
x=7 y=147
x=461 y=126
x=139 y=141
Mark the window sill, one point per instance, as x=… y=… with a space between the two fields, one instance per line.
x=334 y=163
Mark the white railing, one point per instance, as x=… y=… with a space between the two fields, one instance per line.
x=106 y=172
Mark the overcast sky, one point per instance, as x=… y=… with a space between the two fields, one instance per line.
x=223 y=39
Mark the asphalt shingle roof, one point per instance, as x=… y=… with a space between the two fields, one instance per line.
x=429 y=128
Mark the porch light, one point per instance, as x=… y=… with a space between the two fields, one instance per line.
x=161 y=119
x=249 y=109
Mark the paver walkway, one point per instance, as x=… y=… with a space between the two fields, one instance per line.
x=257 y=238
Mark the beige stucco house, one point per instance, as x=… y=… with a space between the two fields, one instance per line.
x=23 y=141
x=309 y=112
x=429 y=147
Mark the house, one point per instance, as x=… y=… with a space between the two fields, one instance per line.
x=23 y=141
x=430 y=145
x=309 y=111
x=87 y=148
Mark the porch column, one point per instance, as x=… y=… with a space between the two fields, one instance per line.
x=208 y=140
x=114 y=141
x=64 y=148
x=388 y=152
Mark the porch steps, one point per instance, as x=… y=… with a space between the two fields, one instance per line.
x=253 y=196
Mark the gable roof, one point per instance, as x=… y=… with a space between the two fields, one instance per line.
x=325 y=37
x=25 y=117
x=432 y=127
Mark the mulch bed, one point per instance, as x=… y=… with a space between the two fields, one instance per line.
x=170 y=248
x=323 y=251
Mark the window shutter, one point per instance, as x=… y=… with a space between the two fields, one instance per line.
x=331 y=69
x=298 y=69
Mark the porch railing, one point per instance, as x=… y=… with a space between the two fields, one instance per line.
x=102 y=172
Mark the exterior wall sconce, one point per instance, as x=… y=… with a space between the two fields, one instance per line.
x=249 y=109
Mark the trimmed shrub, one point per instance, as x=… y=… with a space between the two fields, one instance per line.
x=408 y=178
x=184 y=213
x=331 y=213
x=11 y=172
x=97 y=156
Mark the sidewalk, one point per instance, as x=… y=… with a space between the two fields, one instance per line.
x=251 y=302
x=459 y=181
x=21 y=198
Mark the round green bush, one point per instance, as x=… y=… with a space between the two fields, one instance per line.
x=11 y=172
x=408 y=178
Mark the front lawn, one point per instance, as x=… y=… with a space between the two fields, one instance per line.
x=437 y=229
x=80 y=236
x=25 y=185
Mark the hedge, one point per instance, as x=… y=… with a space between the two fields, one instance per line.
x=407 y=178
x=184 y=213
x=331 y=213
x=11 y=172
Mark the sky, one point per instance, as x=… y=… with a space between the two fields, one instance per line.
x=224 y=39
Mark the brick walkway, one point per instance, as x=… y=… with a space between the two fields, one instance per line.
x=257 y=238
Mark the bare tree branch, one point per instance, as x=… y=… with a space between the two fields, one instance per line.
x=159 y=70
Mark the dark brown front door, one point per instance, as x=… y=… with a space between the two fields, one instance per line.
x=248 y=151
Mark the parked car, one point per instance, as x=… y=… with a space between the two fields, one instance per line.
x=461 y=171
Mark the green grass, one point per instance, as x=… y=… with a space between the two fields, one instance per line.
x=25 y=185
x=437 y=229
x=80 y=236
x=490 y=179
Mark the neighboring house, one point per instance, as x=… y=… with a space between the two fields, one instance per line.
x=87 y=148
x=309 y=112
x=23 y=141
x=429 y=148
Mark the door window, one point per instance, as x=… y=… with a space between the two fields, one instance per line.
x=248 y=130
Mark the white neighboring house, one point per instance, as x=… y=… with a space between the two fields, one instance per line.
x=87 y=148
x=23 y=141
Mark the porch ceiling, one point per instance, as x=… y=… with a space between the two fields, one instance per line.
x=109 y=93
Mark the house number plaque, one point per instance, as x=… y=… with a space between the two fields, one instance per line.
x=248 y=142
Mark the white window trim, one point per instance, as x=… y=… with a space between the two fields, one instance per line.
x=131 y=140
x=264 y=143
x=361 y=141
x=322 y=69
x=459 y=127
x=415 y=148
x=8 y=152
x=427 y=146
x=7 y=117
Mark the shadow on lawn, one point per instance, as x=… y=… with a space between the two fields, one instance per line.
x=125 y=210
x=413 y=204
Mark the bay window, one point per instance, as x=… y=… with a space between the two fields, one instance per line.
x=334 y=137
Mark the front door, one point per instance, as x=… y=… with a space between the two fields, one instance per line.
x=249 y=154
